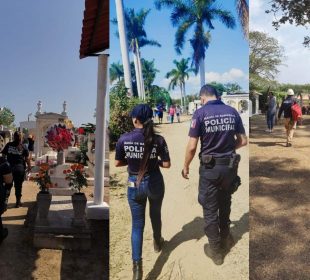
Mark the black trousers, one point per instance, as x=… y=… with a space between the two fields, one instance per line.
x=215 y=198
x=18 y=179
x=2 y=201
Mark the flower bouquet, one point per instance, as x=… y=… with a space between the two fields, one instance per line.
x=42 y=178
x=77 y=180
x=77 y=177
x=59 y=138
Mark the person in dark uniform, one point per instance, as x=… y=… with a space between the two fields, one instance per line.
x=144 y=152
x=221 y=132
x=18 y=156
x=31 y=145
x=6 y=180
x=290 y=124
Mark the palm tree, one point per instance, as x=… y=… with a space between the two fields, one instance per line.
x=243 y=13
x=196 y=14
x=137 y=39
x=178 y=76
x=149 y=73
x=116 y=72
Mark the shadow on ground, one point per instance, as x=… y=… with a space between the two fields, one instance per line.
x=193 y=231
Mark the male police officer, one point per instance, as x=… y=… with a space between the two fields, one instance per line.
x=221 y=132
x=290 y=124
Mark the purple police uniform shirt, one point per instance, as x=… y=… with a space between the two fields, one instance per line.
x=216 y=124
x=130 y=148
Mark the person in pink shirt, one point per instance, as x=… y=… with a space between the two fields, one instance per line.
x=171 y=113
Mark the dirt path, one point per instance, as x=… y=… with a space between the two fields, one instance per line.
x=279 y=206
x=20 y=260
x=183 y=255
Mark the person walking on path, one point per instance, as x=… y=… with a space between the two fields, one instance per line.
x=171 y=113
x=271 y=112
x=290 y=124
x=178 y=112
x=6 y=180
x=31 y=145
x=221 y=132
x=160 y=113
x=18 y=156
x=144 y=152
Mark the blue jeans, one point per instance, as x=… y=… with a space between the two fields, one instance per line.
x=152 y=188
x=270 y=120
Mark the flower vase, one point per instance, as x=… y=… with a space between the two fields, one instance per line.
x=79 y=205
x=44 y=202
x=61 y=158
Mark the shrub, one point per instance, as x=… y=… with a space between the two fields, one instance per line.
x=120 y=108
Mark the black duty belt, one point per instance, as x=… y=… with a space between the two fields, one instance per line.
x=222 y=161
x=136 y=174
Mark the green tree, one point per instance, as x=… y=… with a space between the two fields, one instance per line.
x=266 y=56
x=120 y=108
x=219 y=87
x=116 y=72
x=295 y=12
x=6 y=116
x=149 y=73
x=158 y=95
x=199 y=15
x=178 y=76
x=232 y=87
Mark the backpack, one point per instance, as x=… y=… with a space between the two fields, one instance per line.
x=296 y=112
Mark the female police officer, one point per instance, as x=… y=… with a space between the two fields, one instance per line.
x=17 y=155
x=141 y=150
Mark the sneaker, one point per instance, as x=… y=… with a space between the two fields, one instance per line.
x=4 y=234
x=288 y=144
x=215 y=255
x=158 y=245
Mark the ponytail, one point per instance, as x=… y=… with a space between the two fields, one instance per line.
x=148 y=146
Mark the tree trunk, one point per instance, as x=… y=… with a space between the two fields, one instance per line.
x=135 y=62
x=140 y=71
x=184 y=93
x=202 y=72
x=181 y=87
x=123 y=44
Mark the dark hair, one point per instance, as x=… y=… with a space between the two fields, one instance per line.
x=17 y=136
x=208 y=90
x=149 y=138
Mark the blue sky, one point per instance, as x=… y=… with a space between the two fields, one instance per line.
x=226 y=59
x=39 y=59
x=296 y=65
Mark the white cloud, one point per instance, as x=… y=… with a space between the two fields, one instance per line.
x=255 y=7
x=233 y=75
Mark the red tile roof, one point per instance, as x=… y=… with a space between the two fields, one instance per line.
x=95 y=30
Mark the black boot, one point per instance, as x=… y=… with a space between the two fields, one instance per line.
x=137 y=270
x=158 y=245
x=18 y=202
x=227 y=242
x=214 y=254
